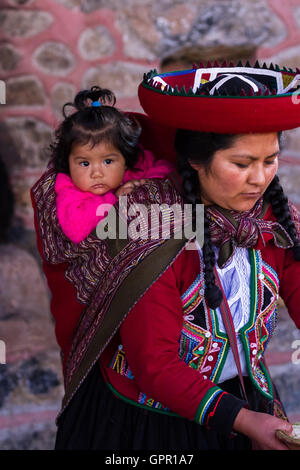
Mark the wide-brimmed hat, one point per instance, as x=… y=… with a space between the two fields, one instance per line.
x=230 y=98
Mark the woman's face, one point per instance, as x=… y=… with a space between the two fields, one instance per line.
x=238 y=176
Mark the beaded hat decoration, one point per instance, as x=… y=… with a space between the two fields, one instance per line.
x=261 y=98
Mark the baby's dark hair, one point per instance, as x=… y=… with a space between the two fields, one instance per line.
x=91 y=124
x=200 y=147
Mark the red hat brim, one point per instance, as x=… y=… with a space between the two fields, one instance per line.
x=218 y=114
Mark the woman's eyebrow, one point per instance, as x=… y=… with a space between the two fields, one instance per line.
x=251 y=157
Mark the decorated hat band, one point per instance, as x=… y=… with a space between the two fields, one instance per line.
x=224 y=99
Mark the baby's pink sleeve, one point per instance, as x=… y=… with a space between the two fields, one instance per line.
x=150 y=168
x=77 y=210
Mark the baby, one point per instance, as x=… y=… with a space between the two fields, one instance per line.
x=97 y=158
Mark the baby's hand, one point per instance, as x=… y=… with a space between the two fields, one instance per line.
x=129 y=186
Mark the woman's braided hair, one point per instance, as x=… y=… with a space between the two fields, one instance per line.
x=280 y=207
x=200 y=147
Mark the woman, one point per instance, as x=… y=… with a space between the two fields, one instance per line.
x=173 y=376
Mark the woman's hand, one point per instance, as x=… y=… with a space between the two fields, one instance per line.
x=261 y=429
x=129 y=186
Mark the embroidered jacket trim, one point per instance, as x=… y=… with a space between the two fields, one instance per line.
x=199 y=345
x=154 y=405
x=205 y=407
x=204 y=347
x=256 y=331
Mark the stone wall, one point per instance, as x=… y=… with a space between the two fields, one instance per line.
x=49 y=49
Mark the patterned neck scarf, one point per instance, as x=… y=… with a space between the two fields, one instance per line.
x=230 y=229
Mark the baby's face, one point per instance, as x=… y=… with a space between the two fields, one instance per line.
x=97 y=169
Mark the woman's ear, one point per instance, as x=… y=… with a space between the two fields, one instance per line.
x=195 y=166
x=200 y=169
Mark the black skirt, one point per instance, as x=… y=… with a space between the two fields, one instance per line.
x=96 y=420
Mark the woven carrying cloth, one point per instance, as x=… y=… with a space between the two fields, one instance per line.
x=266 y=101
x=109 y=275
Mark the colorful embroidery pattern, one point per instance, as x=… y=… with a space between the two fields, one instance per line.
x=205 y=407
x=119 y=363
x=259 y=329
x=192 y=297
x=205 y=349
x=201 y=348
x=193 y=345
x=143 y=399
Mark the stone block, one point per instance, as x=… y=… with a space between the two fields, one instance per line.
x=25 y=91
x=284 y=371
x=22 y=193
x=284 y=335
x=286 y=378
x=30 y=399
x=54 y=58
x=24 y=23
x=161 y=30
x=96 y=43
x=26 y=325
x=20 y=3
x=139 y=33
x=292 y=140
x=296 y=13
x=31 y=138
x=121 y=77
x=289 y=57
x=31 y=436
x=244 y=25
x=70 y=3
x=9 y=57
x=87 y=6
x=31 y=383
x=289 y=178
x=179 y=19
x=19 y=275
x=62 y=93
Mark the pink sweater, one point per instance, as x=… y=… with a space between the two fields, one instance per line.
x=76 y=209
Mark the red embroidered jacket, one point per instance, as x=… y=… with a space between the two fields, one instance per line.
x=164 y=362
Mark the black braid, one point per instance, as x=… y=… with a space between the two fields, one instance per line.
x=190 y=185
x=280 y=206
x=213 y=293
